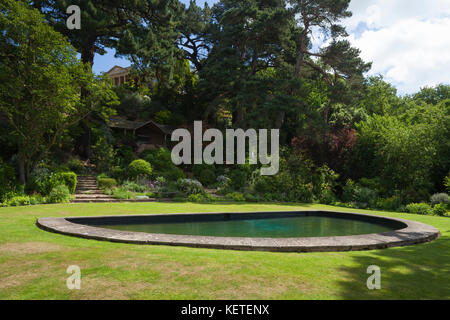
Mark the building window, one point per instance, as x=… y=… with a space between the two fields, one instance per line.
x=116 y=81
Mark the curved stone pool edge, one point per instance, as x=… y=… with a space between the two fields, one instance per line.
x=414 y=233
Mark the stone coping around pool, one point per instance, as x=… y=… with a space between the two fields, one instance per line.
x=413 y=233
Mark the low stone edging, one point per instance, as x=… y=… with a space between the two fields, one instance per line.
x=414 y=233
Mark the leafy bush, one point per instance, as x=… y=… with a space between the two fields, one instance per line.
x=419 y=208
x=190 y=186
x=283 y=187
x=352 y=192
x=235 y=196
x=389 y=204
x=324 y=183
x=104 y=155
x=238 y=179
x=173 y=174
x=75 y=165
x=440 y=209
x=37 y=199
x=43 y=180
x=139 y=168
x=134 y=186
x=160 y=159
x=199 y=197
x=106 y=183
x=439 y=198
x=69 y=179
x=125 y=156
x=59 y=194
x=223 y=181
x=7 y=179
x=122 y=193
x=207 y=177
x=251 y=198
x=447 y=182
x=19 y=201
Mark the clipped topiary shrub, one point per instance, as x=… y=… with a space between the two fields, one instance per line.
x=106 y=183
x=69 y=179
x=207 y=177
x=59 y=194
x=139 y=168
x=419 y=208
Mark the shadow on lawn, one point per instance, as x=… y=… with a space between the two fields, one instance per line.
x=412 y=272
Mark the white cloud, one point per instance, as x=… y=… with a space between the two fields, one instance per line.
x=408 y=41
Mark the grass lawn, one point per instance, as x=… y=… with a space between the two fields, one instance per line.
x=33 y=262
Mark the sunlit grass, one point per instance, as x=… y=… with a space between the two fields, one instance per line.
x=33 y=262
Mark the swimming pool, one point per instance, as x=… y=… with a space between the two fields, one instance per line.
x=293 y=231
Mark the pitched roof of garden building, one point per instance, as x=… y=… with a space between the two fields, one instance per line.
x=135 y=125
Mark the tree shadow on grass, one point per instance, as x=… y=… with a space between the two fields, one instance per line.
x=411 y=272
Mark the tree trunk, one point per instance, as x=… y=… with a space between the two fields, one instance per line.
x=84 y=142
x=22 y=173
x=280 y=119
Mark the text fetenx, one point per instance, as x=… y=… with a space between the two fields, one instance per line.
x=232 y=309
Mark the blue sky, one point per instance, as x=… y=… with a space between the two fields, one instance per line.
x=406 y=40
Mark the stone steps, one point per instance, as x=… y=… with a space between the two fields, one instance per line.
x=87 y=192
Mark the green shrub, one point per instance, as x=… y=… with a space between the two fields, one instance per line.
x=352 y=192
x=223 y=181
x=235 y=196
x=19 y=201
x=7 y=179
x=190 y=186
x=326 y=195
x=69 y=179
x=134 y=186
x=207 y=177
x=419 y=208
x=43 y=180
x=440 y=198
x=75 y=165
x=123 y=194
x=59 y=194
x=348 y=190
x=161 y=159
x=440 y=209
x=447 y=182
x=172 y=174
x=106 y=183
x=37 y=199
x=283 y=187
x=104 y=155
x=139 y=168
x=238 y=179
x=251 y=198
x=118 y=173
x=199 y=197
x=125 y=156
x=389 y=204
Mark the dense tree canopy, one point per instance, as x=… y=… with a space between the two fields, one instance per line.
x=236 y=64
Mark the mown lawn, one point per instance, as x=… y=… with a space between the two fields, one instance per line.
x=33 y=262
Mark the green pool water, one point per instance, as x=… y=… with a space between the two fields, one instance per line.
x=286 y=227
